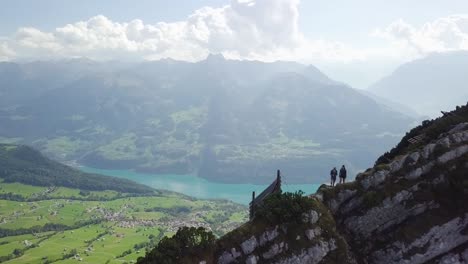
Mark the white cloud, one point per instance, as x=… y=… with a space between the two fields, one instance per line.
x=441 y=35
x=243 y=29
x=6 y=53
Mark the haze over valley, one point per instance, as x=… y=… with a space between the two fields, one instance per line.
x=234 y=131
x=224 y=120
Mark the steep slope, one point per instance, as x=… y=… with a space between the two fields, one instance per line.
x=409 y=208
x=25 y=165
x=428 y=85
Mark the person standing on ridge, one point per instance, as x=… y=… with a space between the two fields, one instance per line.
x=333 y=174
x=342 y=174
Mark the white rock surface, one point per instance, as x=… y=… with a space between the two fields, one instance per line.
x=229 y=257
x=438 y=240
x=249 y=245
x=312 y=233
x=312 y=255
x=311 y=217
x=252 y=259
x=274 y=250
x=268 y=236
x=453 y=154
x=375 y=179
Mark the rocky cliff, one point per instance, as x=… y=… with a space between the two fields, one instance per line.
x=411 y=210
x=411 y=207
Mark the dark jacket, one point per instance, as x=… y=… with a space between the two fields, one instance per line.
x=333 y=173
x=342 y=172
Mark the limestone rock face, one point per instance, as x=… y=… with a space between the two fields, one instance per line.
x=313 y=239
x=310 y=217
x=251 y=260
x=438 y=240
x=275 y=249
x=312 y=255
x=268 y=236
x=455 y=257
x=249 y=245
x=312 y=233
x=413 y=210
x=229 y=256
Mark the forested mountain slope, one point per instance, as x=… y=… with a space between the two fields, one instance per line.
x=25 y=165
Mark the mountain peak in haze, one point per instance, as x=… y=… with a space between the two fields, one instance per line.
x=215 y=57
x=428 y=85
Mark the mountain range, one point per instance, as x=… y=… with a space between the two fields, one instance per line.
x=226 y=120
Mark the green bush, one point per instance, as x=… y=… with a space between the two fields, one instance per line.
x=372 y=198
x=284 y=208
x=382 y=167
x=188 y=241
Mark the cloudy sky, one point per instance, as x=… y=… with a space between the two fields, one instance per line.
x=355 y=41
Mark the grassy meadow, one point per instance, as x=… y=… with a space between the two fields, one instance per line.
x=65 y=225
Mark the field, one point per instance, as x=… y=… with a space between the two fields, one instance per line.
x=63 y=225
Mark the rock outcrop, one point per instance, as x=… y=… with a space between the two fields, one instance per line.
x=313 y=240
x=411 y=210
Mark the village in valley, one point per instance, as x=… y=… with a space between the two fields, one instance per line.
x=63 y=225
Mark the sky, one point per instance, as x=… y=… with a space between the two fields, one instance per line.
x=357 y=42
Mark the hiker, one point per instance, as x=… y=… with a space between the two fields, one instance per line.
x=342 y=174
x=333 y=174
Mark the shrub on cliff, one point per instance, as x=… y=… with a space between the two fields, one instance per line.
x=284 y=207
x=188 y=241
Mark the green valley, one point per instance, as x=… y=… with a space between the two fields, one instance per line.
x=98 y=227
x=70 y=221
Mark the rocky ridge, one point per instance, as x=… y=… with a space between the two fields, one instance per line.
x=410 y=210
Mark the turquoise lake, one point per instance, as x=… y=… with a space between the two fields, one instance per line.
x=198 y=187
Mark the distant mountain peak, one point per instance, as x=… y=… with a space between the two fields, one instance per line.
x=215 y=57
x=437 y=81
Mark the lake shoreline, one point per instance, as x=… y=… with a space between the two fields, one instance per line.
x=198 y=187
